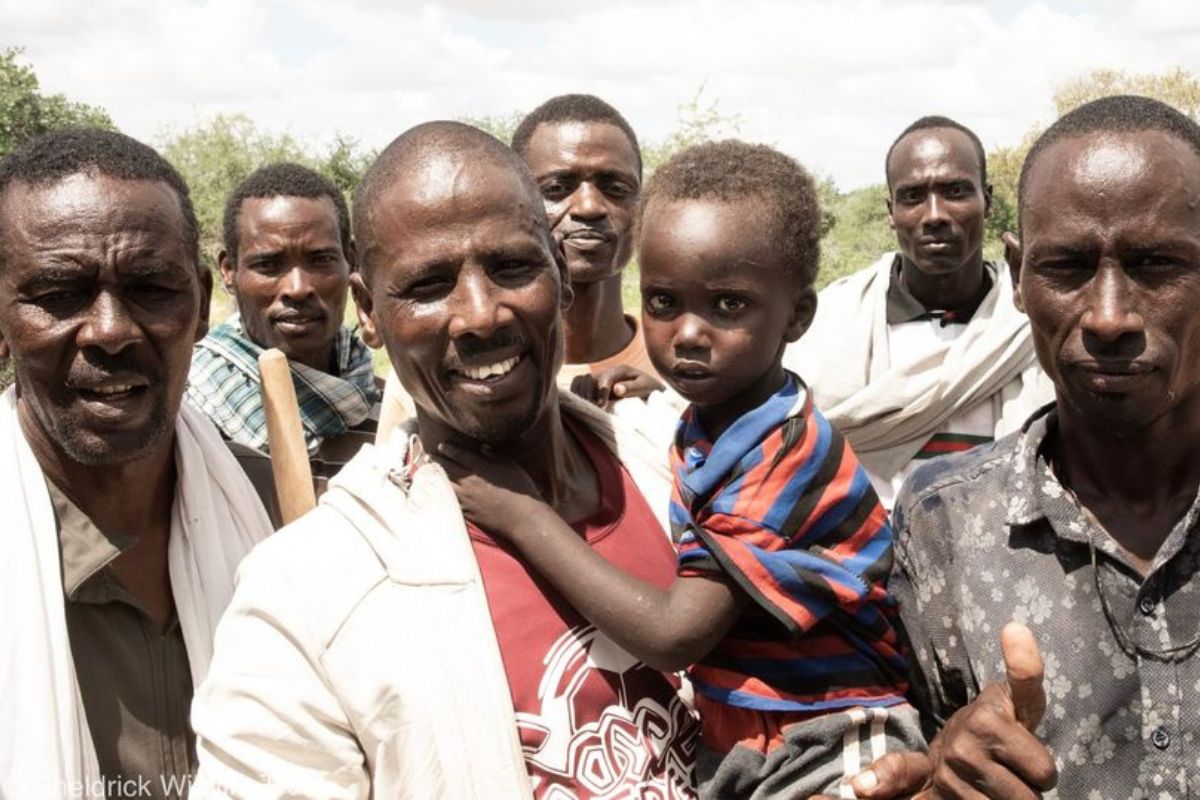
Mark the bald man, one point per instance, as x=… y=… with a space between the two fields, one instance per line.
x=382 y=646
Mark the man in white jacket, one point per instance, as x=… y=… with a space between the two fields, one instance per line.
x=125 y=514
x=382 y=646
x=923 y=353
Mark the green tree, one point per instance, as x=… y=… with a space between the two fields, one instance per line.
x=698 y=120
x=502 y=126
x=26 y=113
x=1176 y=87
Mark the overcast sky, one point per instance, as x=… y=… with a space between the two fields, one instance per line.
x=831 y=82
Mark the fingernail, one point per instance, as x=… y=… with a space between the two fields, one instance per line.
x=865 y=781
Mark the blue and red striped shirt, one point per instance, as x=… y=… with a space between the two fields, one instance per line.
x=780 y=506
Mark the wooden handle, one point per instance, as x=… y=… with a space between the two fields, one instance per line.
x=289 y=455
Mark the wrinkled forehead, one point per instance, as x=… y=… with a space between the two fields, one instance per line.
x=1117 y=178
x=93 y=203
x=450 y=192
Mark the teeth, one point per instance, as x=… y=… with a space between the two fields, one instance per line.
x=488 y=370
x=119 y=388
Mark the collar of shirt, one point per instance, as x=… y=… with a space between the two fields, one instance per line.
x=1037 y=493
x=705 y=464
x=903 y=307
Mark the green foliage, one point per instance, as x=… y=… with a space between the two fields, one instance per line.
x=502 y=126
x=25 y=113
x=1176 y=87
x=216 y=155
x=859 y=233
x=699 y=120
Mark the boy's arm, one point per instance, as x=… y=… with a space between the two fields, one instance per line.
x=666 y=629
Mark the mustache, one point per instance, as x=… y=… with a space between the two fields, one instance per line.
x=572 y=231
x=298 y=314
x=470 y=346
x=99 y=367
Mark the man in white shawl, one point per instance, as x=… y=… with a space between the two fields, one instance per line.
x=923 y=353
x=126 y=515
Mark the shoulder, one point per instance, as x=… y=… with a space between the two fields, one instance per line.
x=852 y=285
x=960 y=474
x=310 y=575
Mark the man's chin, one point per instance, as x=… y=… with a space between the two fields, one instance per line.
x=95 y=449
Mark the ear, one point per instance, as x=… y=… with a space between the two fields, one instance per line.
x=803 y=312
x=4 y=351
x=891 y=222
x=987 y=200
x=364 y=305
x=352 y=255
x=206 y=287
x=1012 y=254
x=566 y=291
x=228 y=273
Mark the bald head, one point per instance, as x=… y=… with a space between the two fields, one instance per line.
x=428 y=162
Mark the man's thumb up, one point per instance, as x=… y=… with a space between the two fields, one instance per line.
x=1023 y=663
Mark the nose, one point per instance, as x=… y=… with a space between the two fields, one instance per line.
x=476 y=306
x=297 y=285
x=935 y=210
x=588 y=202
x=108 y=325
x=691 y=336
x=1110 y=312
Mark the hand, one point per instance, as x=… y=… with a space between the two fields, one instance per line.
x=494 y=492
x=988 y=749
x=615 y=383
x=895 y=775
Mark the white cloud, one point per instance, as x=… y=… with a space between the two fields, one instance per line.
x=831 y=83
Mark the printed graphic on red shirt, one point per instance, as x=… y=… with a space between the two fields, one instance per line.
x=593 y=721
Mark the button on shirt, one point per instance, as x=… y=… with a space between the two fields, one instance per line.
x=135 y=681
x=991 y=536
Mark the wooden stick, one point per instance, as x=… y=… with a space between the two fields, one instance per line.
x=289 y=455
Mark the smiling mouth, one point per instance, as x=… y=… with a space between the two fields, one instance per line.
x=110 y=392
x=488 y=372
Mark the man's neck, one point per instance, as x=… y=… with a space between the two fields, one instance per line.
x=945 y=292
x=555 y=461
x=595 y=327
x=1138 y=483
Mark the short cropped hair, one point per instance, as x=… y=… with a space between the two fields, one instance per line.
x=573 y=108
x=934 y=122
x=59 y=154
x=732 y=171
x=283 y=179
x=1116 y=114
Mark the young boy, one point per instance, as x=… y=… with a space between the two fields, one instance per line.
x=780 y=609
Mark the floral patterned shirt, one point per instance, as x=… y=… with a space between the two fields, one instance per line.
x=990 y=536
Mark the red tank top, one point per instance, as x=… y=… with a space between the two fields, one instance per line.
x=593 y=721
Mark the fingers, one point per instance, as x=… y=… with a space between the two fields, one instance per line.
x=1023 y=663
x=893 y=775
x=584 y=386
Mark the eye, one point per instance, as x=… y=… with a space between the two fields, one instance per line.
x=958 y=191
x=730 y=304
x=556 y=189
x=59 y=301
x=427 y=289
x=910 y=197
x=619 y=189
x=658 y=303
x=515 y=270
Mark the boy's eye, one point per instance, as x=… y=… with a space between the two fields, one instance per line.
x=730 y=304
x=658 y=303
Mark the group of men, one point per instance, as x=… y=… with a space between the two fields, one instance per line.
x=376 y=648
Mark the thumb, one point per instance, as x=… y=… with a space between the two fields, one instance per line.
x=1023 y=663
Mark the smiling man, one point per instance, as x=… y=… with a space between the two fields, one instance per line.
x=287 y=261
x=923 y=353
x=431 y=663
x=125 y=514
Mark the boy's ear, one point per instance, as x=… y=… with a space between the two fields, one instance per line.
x=803 y=312
x=1012 y=255
x=365 y=309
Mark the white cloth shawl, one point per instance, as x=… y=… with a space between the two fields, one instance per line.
x=45 y=747
x=888 y=413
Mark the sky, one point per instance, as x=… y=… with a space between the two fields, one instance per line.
x=830 y=83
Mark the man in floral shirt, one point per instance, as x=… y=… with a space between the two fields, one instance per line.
x=1083 y=525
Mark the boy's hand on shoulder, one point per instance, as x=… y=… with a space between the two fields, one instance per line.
x=494 y=492
x=615 y=383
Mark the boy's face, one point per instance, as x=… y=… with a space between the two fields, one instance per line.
x=718 y=303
